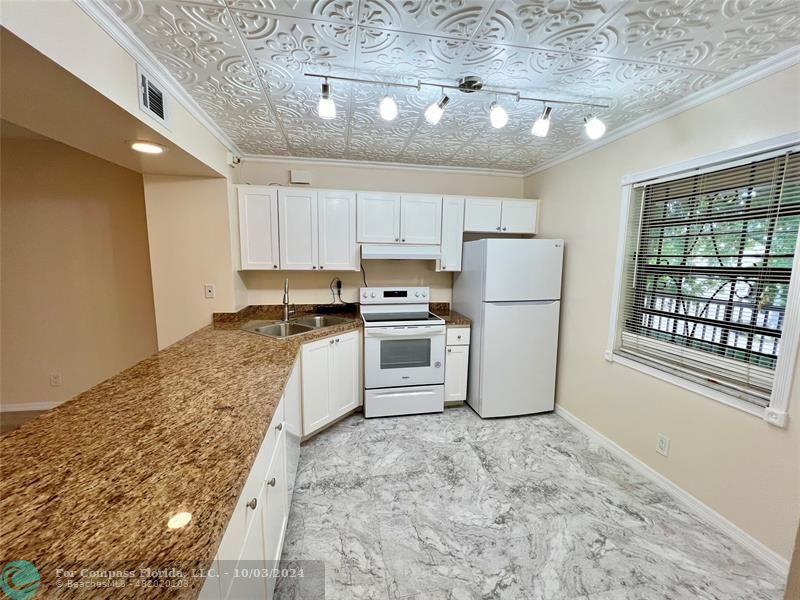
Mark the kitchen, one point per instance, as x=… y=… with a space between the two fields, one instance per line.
x=232 y=360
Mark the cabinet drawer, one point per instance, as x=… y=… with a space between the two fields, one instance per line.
x=458 y=336
x=231 y=545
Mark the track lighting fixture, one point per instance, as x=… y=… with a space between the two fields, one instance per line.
x=433 y=114
x=498 y=116
x=326 y=108
x=595 y=128
x=469 y=84
x=542 y=125
x=388 y=108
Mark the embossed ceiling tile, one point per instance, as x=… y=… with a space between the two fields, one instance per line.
x=423 y=152
x=451 y=18
x=717 y=35
x=595 y=78
x=220 y=97
x=510 y=67
x=560 y=24
x=336 y=11
x=407 y=57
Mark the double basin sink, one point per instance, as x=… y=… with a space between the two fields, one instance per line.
x=298 y=326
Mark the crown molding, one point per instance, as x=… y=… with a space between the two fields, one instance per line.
x=771 y=66
x=335 y=162
x=122 y=35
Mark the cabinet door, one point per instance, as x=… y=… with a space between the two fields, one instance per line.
x=378 y=217
x=519 y=216
x=276 y=512
x=338 y=250
x=482 y=214
x=345 y=381
x=455 y=373
x=317 y=364
x=297 y=213
x=452 y=234
x=421 y=219
x=292 y=426
x=258 y=227
x=251 y=557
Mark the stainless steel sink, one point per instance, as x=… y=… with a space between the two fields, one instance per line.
x=317 y=321
x=277 y=329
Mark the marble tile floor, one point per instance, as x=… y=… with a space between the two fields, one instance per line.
x=450 y=506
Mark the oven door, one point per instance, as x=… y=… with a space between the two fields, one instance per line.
x=403 y=356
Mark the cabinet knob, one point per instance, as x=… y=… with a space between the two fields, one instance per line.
x=253 y=503
x=504 y=228
x=498 y=229
x=321 y=267
x=449 y=349
x=274 y=266
x=279 y=427
x=458 y=337
x=331 y=342
x=313 y=267
x=271 y=482
x=403 y=240
x=396 y=239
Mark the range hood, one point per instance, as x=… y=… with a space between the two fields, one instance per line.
x=400 y=252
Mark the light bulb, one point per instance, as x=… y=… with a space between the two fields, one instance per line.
x=595 y=128
x=498 y=116
x=433 y=114
x=542 y=125
x=388 y=108
x=327 y=107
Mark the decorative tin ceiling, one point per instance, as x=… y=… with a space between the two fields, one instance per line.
x=243 y=62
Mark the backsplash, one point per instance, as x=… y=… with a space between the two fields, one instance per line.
x=309 y=287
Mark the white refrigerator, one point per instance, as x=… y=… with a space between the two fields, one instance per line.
x=511 y=290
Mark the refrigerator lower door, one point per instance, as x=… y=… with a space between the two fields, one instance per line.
x=518 y=350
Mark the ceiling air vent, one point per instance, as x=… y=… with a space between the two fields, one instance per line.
x=152 y=99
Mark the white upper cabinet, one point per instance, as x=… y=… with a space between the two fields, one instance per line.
x=482 y=214
x=519 y=216
x=501 y=215
x=452 y=234
x=258 y=227
x=297 y=212
x=338 y=249
x=378 y=218
x=420 y=219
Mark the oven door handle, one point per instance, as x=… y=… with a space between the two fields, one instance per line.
x=422 y=332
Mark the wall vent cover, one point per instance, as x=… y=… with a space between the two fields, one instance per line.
x=152 y=99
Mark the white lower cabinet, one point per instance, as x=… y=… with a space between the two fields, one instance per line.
x=331 y=379
x=456 y=364
x=255 y=532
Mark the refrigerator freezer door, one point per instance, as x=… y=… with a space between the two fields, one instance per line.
x=520 y=270
x=518 y=358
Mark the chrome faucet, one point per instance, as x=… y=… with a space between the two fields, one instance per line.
x=286 y=310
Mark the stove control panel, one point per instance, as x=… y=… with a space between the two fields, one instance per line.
x=394 y=295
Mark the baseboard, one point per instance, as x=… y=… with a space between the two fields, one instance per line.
x=701 y=510
x=28 y=406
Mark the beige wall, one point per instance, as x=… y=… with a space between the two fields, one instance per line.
x=190 y=246
x=76 y=292
x=266 y=287
x=743 y=468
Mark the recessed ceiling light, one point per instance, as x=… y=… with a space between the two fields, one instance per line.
x=147 y=147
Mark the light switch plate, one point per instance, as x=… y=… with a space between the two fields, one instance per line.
x=662 y=444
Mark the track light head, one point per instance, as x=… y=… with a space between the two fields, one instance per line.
x=433 y=114
x=327 y=107
x=595 y=128
x=388 y=108
x=498 y=116
x=542 y=125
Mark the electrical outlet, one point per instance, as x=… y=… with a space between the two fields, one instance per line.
x=54 y=379
x=209 y=290
x=662 y=444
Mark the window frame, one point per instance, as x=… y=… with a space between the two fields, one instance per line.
x=775 y=413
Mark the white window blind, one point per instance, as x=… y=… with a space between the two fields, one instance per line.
x=706 y=272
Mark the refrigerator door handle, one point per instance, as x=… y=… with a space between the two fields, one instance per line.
x=523 y=302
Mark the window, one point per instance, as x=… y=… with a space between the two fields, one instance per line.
x=705 y=275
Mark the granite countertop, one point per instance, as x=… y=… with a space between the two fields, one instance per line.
x=94 y=481
x=451 y=317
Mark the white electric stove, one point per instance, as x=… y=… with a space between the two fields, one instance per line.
x=404 y=349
